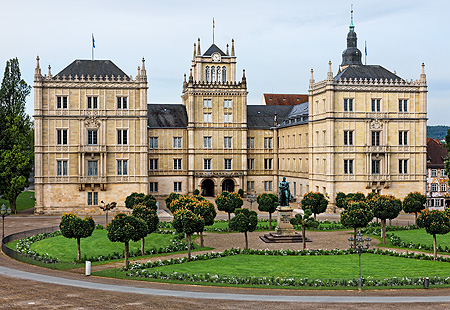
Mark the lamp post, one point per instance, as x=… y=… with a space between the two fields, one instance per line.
x=251 y=198
x=106 y=208
x=361 y=244
x=4 y=212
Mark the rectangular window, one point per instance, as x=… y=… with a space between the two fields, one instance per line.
x=92 y=102
x=92 y=168
x=348 y=105
x=443 y=187
x=403 y=166
x=92 y=198
x=403 y=105
x=176 y=164
x=250 y=186
x=207 y=164
x=61 y=102
x=227 y=103
x=267 y=143
x=443 y=173
x=433 y=172
x=207 y=142
x=403 y=138
x=207 y=103
x=250 y=143
x=122 y=136
x=348 y=166
x=227 y=164
x=61 y=167
x=268 y=163
x=434 y=187
x=251 y=164
x=268 y=186
x=153 y=164
x=122 y=167
x=227 y=118
x=376 y=105
x=153 y=142
x=122 y=103
x=177 y=142
x=375 y=138
x=177 y=187
x=207 y=117
x=375 y=166
x=348 y=137
x=227 y=142
x=153 y=188
x=92 y=137
x=61 y=136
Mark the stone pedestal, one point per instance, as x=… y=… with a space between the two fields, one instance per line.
x=284 y=226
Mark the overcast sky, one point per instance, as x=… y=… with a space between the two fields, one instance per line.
x=277 y=42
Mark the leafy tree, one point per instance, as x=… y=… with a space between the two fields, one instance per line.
x=340 y=200
x=183 y=201
x=228 y=202
x=267 y=203
x=314 y=201
x=207 y=211
x=124 y=228
x=385 y=207
x=305 y=221
x=241 y=192
x=244 y=221
x=435 y=222
x=187 y=222
x=72 y=226
x=414 y=203
x=196 y=192
x=358 y=214
x=172 y=196
x=149 y=216
x=136 y=198
x=16 y=134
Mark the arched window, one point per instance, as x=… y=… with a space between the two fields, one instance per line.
x=207 y=73
x=213 y=74
x=224 y=74
x=218 y=74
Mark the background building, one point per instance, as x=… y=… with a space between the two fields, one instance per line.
x=438 y=190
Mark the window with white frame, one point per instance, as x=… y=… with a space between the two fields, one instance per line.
x=375 y=138
x=348 y=105
x=268 y=186
x=443 y=187
x=376 y=105
x=227 y=142
x=61 y=136
x=207 y=103
x=403 y=137
x=348 y=137
x=177 y=187
x=153 y=188
x=434 y=187
x=92 y=168
x=250 y=186
x=227 y=164
x=176 y=164
x=250 y=164
x=207 y=142
x=92 y=102
x=122 y=167
x=403 y=105
x=227 y=103
x=403 y=166
x=443 y=173
x=207 y=117
x=153 y=164
x=250 y=143
x=61 y=167
x=348 y=166
x=268 y=163
x=61 y=102
x=207 y=164
x=267 y=143
x=92 y=137
x=153 y=142
x=122 y=136
x=375 y=166
x=433 y=172
x=92 y=198
x=122 y=103
x=177 y=142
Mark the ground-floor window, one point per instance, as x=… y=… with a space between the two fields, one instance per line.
x=153 y=187
x=177 y=187
x=268 y=186
x=92 y=198
x=250 y=186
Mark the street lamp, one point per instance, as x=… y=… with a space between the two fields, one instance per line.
x=251 y=198
x=361 y=244
x=4 y=212
x=107 y=207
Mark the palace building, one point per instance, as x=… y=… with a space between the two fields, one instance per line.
x=97 y=139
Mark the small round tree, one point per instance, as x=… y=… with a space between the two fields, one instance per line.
x=136 y=198
x=385 y=207
x=414 y=203
x=267 y=203
x=187 y=222
x=228 y=202
x=340 y=200
x=72 y=226
x=124 y=228
x=435 y=222
x=305 y=221
x=207 y=211
x=172 y=196
x=149 y=216
x=316 y=202
x=358 y=214
x=244 y=221
x=183 y=201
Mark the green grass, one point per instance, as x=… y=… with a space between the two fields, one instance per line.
x=65 y=249
x=420 y=236
x=23 y=201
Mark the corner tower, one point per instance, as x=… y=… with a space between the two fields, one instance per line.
x=351 y=55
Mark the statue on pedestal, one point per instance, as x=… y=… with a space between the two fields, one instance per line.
x=284 y=193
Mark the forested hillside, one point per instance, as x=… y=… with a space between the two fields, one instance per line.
x=438 y=132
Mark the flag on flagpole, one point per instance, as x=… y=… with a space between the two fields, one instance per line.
x=93 y=41
x=214 y=23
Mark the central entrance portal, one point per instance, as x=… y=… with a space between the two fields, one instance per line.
x=228 y=185
x=207 y=188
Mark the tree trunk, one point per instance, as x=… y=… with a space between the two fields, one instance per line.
x=78 y=249
x=415 y=218
x=434 y=247
x=270 y=221
x=12 y=204
x=304 y=236
x=126 y=255
x=354 y=238
x=229 y=220
x=383 y=230
x=246 y=240
x=189 y=247
x=142 y=246
x=315 y=215
x=201 y=239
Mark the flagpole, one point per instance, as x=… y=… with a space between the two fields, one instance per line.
x=365 y=52
x=93 y=46
x=214 y=26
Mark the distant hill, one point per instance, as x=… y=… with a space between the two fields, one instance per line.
x=437 y=132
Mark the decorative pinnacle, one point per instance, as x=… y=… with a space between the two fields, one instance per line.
x=352 y=26
x=49 y=70
x=198 y=47
x=232 y=47
x=143 y=64
x=195 y=48
x=37 y=62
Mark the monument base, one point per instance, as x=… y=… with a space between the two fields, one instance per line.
x=274 y=238
x=284 y=226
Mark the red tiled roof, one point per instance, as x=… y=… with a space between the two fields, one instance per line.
x=436 y=154
x=284 y=99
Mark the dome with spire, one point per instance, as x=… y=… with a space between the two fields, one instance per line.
x=352 y=55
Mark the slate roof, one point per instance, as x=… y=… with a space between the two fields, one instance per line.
x=167 y=116
x=436 y=154
x=261 y=116
x=212 y=49
x=284 y=99
x=366 y=71
x=298 y=115
x=92 y=67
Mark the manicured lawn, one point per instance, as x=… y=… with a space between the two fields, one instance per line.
x=98 y=244
x=320 y=267
x=421 y=236
x=23 y=201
